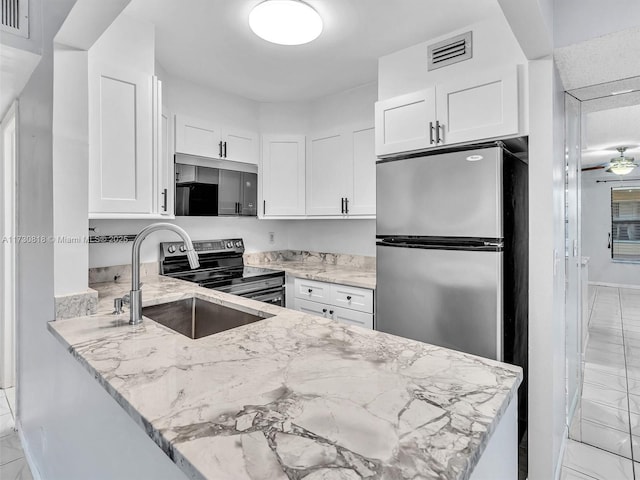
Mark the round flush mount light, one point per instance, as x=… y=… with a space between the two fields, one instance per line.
x=285 y=22
x=474 y=158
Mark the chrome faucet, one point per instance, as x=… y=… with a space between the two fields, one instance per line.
x=135 y=297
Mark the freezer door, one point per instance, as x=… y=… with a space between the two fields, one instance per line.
x=449 y=195
x=449 y=298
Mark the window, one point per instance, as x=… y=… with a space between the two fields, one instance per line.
x=625 y=224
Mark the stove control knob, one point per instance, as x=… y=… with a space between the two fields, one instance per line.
x=229 y=244
x=238 y=243
x=171 y=249
x=183 y=248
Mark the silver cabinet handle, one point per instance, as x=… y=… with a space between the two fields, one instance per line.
x=431 y=133
x=437 y=132
x=346 y=205
x=164 y=200
x=220 y=148
x=225 y=149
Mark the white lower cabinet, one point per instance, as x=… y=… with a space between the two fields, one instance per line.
x=343 y=303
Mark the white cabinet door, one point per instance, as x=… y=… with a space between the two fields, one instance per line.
x=198 y=137
x=353 y=298
x=240 y=146
x=313 y=308
x=166 y=181
x=404 y=123
x=313 y=290
x=479 y=107
x=361 y=195
x=282 y=171
x=120 y=141
x=352 y=317
x=329 y=168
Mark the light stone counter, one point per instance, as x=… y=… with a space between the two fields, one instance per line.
x=292 y=396
x=353 y=270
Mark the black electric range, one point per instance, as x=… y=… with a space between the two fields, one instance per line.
x=222 y=268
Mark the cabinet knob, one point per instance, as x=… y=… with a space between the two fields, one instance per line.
x=324 y=310
x=349 y=298
x=330 y=312
x=310 y=290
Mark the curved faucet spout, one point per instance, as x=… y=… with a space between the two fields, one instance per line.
x=136 y=295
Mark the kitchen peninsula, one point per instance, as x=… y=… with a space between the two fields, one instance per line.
x=298 y=396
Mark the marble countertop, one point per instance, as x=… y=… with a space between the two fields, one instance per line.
x=293 y=395
x=355 y=276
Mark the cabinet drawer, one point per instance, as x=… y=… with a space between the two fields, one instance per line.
x=354 y=298
x=312 y=290
x=313 y=308
x=352 y=317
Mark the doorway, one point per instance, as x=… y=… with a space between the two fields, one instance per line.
x=8 y=178
x=603 y=279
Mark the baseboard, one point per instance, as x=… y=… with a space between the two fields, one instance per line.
x=563 y=447
x=35 y=473
x=614 y=285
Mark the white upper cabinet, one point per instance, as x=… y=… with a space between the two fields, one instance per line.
x=361 y=198
x=402 y=123
x=198 y=137
x=282 y=176
x=240 y=145
x=481 y=106
x=166 y=189
x=341 y=169
x=478 y=107
x=207 y=139
x=120 y=141
x=328 y=170
x=130 y=142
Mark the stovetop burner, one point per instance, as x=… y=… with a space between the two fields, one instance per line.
x=221 y=264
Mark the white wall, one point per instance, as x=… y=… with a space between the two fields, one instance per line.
x=354 y=237
x=596 y=225
x=354 y=106
x=254 y=232
x=547 y=401
x=72 y=428
x=579 y=20
x=494 y=45
x=70 y=168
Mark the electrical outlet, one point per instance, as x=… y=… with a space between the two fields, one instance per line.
x=272 y=237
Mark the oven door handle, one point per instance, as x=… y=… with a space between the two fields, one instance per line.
x=258 y=289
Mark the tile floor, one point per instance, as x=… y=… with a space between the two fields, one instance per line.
x=13 y=465
x=605 y=431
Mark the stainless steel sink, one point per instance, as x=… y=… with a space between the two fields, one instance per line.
x=197 y=318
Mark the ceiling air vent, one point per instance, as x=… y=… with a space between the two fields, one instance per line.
x=15 y=17
x=450 y=51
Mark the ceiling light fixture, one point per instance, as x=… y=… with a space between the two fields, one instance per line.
x=621 y=165
x=285 y=22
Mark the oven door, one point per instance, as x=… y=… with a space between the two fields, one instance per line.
x=274 y=296
x=270 y=290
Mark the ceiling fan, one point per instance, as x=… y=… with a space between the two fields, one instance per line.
x=618 y=165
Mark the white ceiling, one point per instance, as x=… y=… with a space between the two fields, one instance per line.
x=209 y=42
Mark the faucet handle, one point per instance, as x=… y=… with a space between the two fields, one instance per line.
x=126 y=298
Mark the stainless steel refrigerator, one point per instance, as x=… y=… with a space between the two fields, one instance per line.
x=452 y=257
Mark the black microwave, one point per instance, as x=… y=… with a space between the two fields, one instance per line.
x=214 y=191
